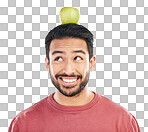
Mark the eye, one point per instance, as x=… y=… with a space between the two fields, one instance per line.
x=58 y=59
x=77 y=58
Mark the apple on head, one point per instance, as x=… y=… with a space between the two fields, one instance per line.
x=69 y=15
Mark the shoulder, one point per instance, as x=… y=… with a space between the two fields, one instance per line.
x=112 y=106
x=32 y=111
x=29 y=117
x=113 y=110
x=119 y=115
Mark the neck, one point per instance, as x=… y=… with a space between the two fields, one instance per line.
x=83 y=98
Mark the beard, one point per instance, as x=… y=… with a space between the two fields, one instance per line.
x=73 y=90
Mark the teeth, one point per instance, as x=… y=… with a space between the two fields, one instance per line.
x=69 y=80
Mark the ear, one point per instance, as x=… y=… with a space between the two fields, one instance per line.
x=92 y=63
x=47 y=64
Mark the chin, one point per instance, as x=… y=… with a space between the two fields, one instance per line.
x=71 y=92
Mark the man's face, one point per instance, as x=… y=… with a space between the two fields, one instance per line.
x=69 y=65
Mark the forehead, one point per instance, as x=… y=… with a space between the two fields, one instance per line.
x=68 y=44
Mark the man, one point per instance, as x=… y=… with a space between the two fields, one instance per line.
x=72 y=108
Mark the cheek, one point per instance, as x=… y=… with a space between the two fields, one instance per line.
x=86 y=69
x=83 y=68
x=51 y=71
x=55 y=68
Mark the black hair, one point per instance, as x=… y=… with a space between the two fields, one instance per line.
x=70 y=30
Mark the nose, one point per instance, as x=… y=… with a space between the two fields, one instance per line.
x=69 y=68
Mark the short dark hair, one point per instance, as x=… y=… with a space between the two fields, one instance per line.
x=70 y=30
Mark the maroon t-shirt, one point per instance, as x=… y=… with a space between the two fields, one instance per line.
x=100 y=115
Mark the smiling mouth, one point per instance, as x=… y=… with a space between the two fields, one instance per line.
x=69 y=81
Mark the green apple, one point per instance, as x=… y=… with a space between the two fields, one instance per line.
x=69 y=15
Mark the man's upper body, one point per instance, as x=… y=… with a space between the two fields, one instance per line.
x=69 y=60
x=100 y=115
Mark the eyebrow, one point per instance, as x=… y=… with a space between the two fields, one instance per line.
x=79 y=51
x=57 y=51
x=76 y=51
